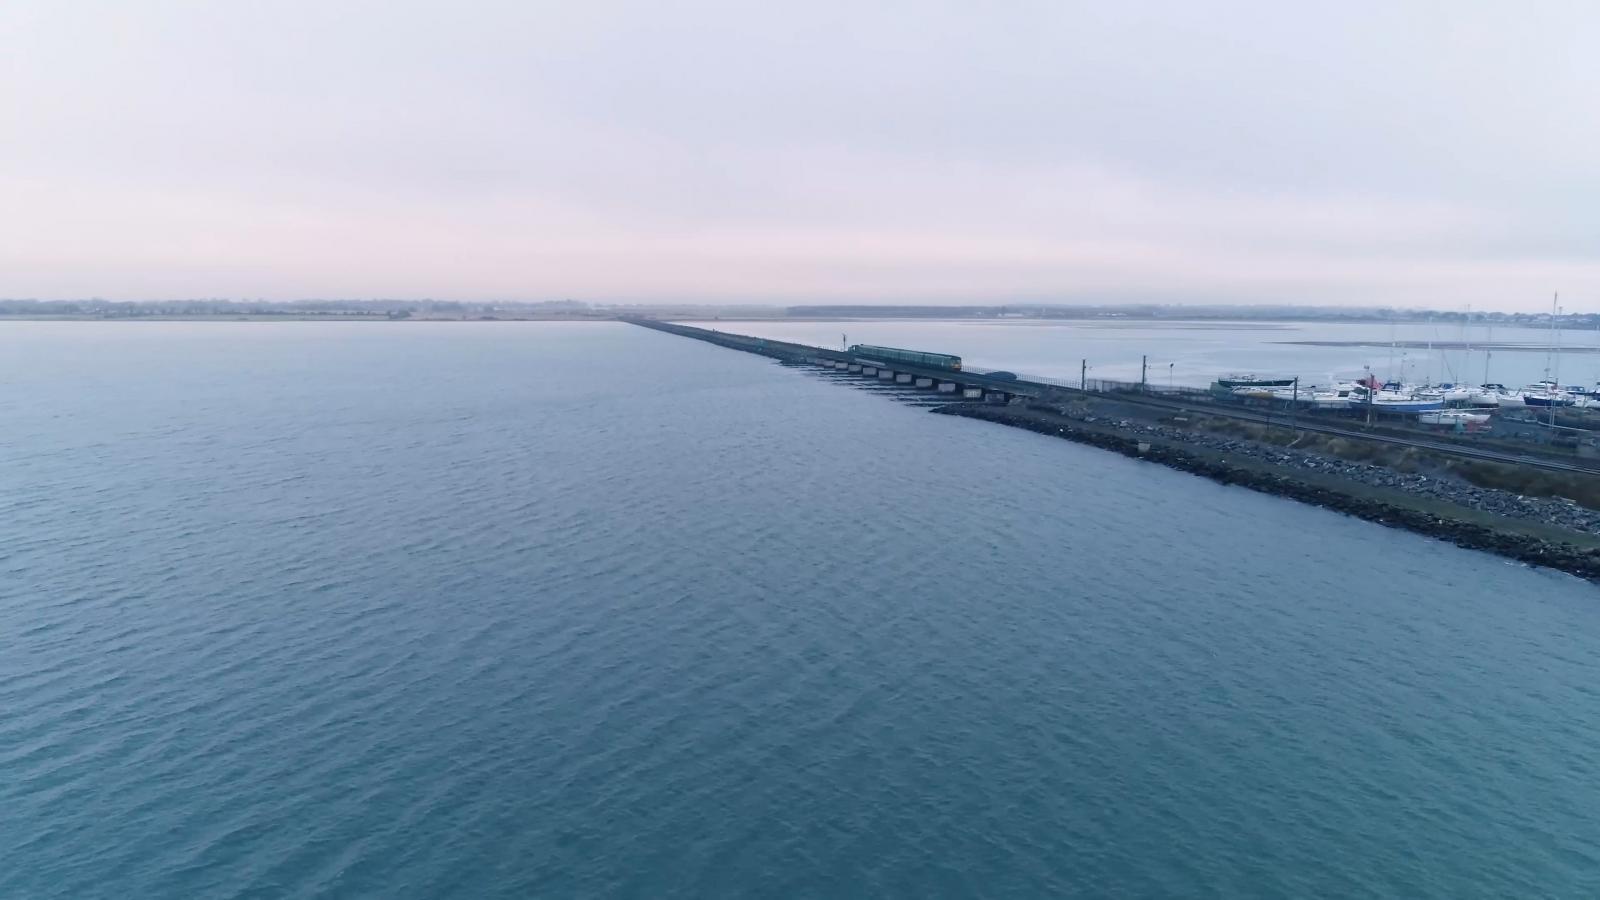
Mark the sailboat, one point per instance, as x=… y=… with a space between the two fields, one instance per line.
x=1498 y=395
x=1547 y=394
x=1391 y=398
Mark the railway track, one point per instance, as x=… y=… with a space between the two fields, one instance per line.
x=1551 y=465
x=1041 y=389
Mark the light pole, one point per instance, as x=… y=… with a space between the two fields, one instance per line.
x=1368 y=386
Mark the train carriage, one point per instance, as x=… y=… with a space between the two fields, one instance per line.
x=891 y=355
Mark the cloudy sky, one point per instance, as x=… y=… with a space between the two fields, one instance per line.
x=1429 y=154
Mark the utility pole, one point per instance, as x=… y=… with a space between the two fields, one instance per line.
x=1294 y=407
x=1144 y=367
x=1083 y=377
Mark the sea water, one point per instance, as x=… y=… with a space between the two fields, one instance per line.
x=558 y=610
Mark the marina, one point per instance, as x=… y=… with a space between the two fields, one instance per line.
x=1428 y=400
x=1398 y=399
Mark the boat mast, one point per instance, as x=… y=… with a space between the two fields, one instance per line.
x=1550 y=341
x=1391 y=349
x=1488 y=351
x=1427 y=375
x=1555 y=381
x=1555 y=322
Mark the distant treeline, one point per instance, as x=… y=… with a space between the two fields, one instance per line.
x=129 y=309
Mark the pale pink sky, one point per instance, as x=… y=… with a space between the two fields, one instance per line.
x=1427 y=154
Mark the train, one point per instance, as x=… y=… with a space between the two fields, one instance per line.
x=909 y=357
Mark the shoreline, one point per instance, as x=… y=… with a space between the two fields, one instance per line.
x=308 y=318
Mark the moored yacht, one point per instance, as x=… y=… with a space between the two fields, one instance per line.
x=1450 y=393
x=1494 y=395
x=1244 y=385
x=1546 y=394
x=1392 y=400
x=1463 y=417
x=1311 y=396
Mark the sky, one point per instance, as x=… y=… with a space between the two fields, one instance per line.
x=1439 y=155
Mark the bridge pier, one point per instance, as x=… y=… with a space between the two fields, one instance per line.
x=972 y=393
x=853 y=367
x=948 y=387
x=924 y=382
x=902 y=378
x=841 y=366
x=885 y=375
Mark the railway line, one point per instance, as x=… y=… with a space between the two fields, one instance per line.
x=1047 y=390
x=1303 y=424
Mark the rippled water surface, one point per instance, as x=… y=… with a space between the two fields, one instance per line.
x=514 y=610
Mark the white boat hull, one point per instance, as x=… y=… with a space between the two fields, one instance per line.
x=1452 y=417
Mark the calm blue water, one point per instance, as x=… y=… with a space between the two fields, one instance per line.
x=502 y=610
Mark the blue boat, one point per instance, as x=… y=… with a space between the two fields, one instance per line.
x=1546 y=394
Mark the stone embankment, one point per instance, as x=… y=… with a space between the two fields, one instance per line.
x=1559 y=512
x=1416 y=502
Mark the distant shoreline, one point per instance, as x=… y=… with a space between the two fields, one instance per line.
x=269 y=317
x=1026 y=314
x=1263 y=323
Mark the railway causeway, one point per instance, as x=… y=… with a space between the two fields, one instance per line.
x=1524 y=512
x=978 y=385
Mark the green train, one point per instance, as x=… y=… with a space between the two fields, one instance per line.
x=909 y=357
